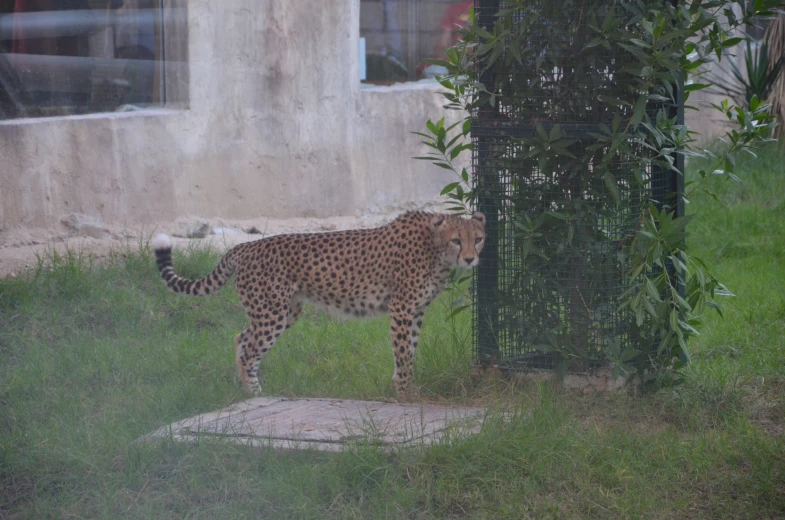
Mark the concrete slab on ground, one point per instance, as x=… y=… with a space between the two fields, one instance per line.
x=324 y=424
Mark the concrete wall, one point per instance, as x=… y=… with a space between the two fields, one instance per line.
x=707 y=122
x=268 y=120
x=272 y=121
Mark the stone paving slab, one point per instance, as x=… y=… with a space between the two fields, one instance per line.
x=324 y=424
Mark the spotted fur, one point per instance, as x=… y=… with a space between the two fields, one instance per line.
x=398 y=269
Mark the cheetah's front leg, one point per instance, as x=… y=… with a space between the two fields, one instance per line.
x=403 y=348
x=415 y=329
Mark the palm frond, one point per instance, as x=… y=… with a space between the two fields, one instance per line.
x=775 y=35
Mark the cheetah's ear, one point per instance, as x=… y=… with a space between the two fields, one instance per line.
x=478 y=216
x=437 y=221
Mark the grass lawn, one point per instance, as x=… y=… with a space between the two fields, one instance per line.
x=92 y=357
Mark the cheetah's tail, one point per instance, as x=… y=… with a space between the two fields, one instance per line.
x=162 y=245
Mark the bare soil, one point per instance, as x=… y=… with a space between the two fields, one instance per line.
x=20 y=248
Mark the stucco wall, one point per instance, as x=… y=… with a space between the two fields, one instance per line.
x=273 y=122
x=276 y=124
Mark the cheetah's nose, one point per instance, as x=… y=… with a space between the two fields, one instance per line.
x=468 y=259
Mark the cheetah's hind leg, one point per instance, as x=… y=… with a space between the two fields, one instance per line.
x=255 y=342
x=241 y=341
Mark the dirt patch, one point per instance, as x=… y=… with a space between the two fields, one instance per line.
x=589 y=382
x=20 y=248
x=768 y=409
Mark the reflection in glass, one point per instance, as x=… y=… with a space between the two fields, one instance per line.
x=400 y=36
x=63 y=57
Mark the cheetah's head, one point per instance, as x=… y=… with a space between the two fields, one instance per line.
x=459 y=239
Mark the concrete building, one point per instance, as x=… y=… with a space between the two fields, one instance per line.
x=264 y=115
x=259 y=112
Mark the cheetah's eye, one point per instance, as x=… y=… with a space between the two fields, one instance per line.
x=478 y=240
x=456 y=241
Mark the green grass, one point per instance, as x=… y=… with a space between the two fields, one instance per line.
x=92 y=357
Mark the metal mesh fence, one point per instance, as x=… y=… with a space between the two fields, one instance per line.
x=553 y=268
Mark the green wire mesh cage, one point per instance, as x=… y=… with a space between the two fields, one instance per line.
x=561 y=202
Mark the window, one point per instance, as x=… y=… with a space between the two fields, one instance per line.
x=64 y=57
x=400 y=35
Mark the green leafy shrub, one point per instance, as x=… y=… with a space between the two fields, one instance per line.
x=582 y=124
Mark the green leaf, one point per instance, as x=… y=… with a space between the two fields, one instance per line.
x=447 y=189
x=594 y=42
x=639 y=110
x=443 y=165
x=541 y=131
x=614 y=101
x=692 y=87
x=563 y=367
x=457 y=311
x=651 y=289
x=674 y=320
x=610 y=183
x=732 y=42
x=628 y=354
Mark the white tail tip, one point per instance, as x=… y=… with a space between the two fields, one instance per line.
x=161 y=242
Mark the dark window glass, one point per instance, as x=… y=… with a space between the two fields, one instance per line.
x=400 y=35
x=63 y=57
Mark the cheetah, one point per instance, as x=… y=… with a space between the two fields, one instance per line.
x=398 y=268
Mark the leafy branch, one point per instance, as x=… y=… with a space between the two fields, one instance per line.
x=534 y=76
x=447 y=144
